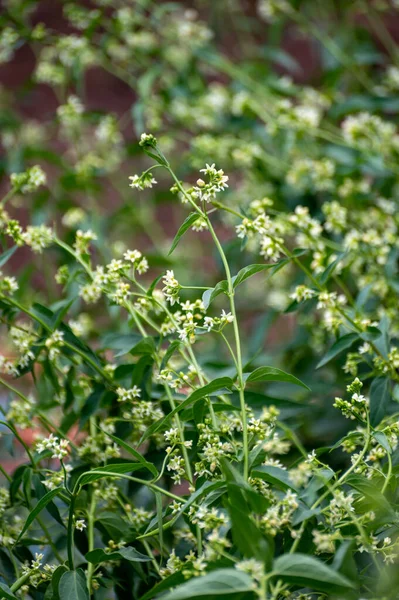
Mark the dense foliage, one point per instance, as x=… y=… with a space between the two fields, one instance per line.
x=210 y=413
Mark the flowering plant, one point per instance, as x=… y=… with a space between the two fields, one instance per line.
x=167 y=446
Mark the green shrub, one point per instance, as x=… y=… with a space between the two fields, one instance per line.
x=212 y=415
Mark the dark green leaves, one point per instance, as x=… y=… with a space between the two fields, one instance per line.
x=308 y=571
x=222 y=582
x=145 y=464
x=121 y=344
x=131 y=554
x=379 y=398
x=344 y=342
x=73 y=586
x=190 y=220
x=275 y=476
x=38 y=508
x=273 y=374
x=6 y=593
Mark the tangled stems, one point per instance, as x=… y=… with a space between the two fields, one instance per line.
x=238 y=357
x=238 y=348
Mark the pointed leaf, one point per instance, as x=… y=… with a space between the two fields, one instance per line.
x=133 y=452
x=73 y=586
x=344 y=342
x=108 y=471
x=273 y=374
x=38 y=508
x=250 y=270
x=190 y=220
x=308 y=571
x=7 y=254
x=209 y=295
x=131 y=554
x=221 y=582
x=379 y=399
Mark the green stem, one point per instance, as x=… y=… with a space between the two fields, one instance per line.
x=20 y=582
x=389 y=474
x=70 y=531
x=238 y=347
x=233 y=312
x=90 y=535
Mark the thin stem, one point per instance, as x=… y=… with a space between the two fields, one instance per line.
x=90 y=535
x=152 y=557
x=70 y=532
x=238 y=347
x=233 y=312
x=389 y=474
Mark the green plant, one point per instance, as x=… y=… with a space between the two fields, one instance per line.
x=167 y=446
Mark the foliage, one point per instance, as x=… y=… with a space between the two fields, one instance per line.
x=217 y=417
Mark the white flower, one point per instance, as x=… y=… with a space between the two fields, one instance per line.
x=302 y=293
x=130 y=394
x=132 y=255
x=171 y=289
x=143 y=181
x=226 y=317
x=80 y=525
x=58 y=447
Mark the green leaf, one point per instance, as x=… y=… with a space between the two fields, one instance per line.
x=247 y=272
x=221 y=582
x=7 y=255
x=211 y=388
x=6 y=593
x=308 y=571
x=375 y=499
x=38 y=508
x=175 y=345
x=98 y=555
x=344 y=342
x=209 y=295
x=158 y=502
x=73 y=586
x=325 y=276
x=273 y=374
x=121 y=343
x=382 y=440
x=144 y=346
x=151 y=289
x=379 y=397
x=171 y=581
x=145 y=464
x=55 y=581
x=190 y=220
x=274 y=475
x=108 y=470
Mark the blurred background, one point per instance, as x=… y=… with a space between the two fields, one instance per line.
x=254 y=86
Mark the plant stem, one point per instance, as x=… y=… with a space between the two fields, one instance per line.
x=90 y=536
x=233 y=312
x=238 y=347
x=70 y=532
